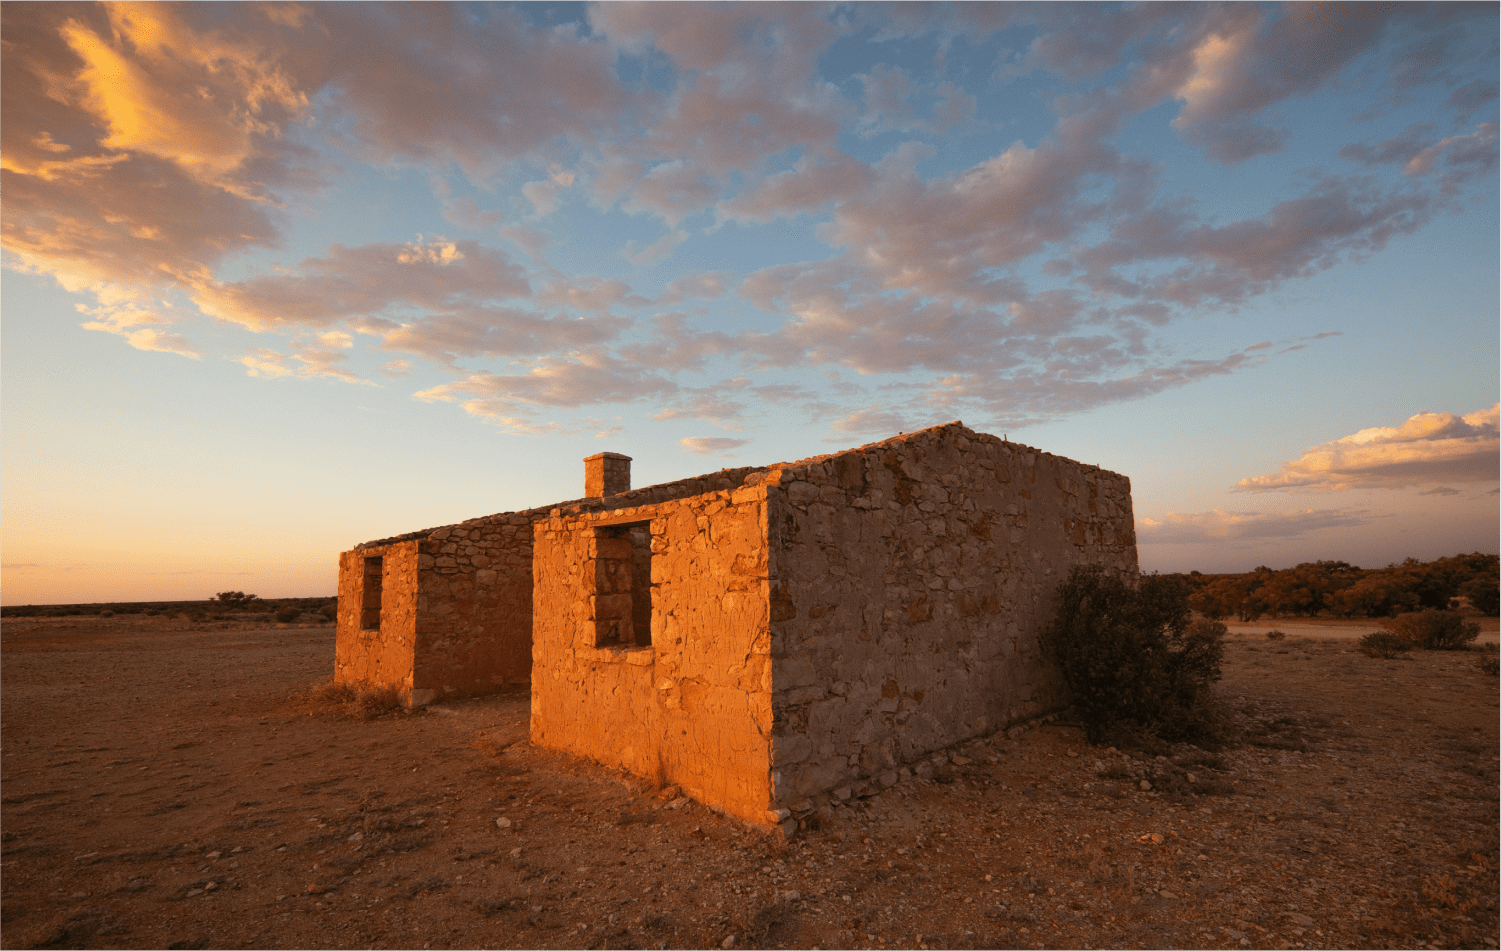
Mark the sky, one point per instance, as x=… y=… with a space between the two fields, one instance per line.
x=282 y=278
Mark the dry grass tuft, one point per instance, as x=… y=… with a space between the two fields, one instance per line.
x=358 y=701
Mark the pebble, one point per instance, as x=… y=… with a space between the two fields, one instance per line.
x=1167 y=894
x=357 y=837
x=503 y=823
x=214 y=855
x=792 y=896
x=728 y=942
x=889 y=778
x=1146 y=786
x=961 y=760
x=515 y=853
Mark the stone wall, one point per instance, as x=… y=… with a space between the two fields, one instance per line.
x=473 y=626
x=909 y=581
x=377 y=655
x=694 y=707
x=474 y=608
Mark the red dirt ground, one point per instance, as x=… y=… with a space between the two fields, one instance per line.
x=169 y=784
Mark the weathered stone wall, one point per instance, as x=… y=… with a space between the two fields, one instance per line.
x=474 y=608
x=380 y=656
x=473 y=631
x=909 y=581
x=694 y=707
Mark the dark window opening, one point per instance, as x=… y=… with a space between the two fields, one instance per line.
x=370 y=594
x=622 y=586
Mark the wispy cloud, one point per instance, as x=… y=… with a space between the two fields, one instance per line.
x=704 y=445
x=1222 y=526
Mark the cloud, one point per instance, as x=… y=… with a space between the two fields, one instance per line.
x=704 y=445
x=1222 y=526
x=655 y=251
x=714 y=403
x=321 y=361
x=866 y=421
x=543 y=195
x=747 y=90
x=703 y=285
x=1428 y=448
x=1419 y=152
x=1440 y=490
x=265 y=363
x=575 y=380
x=365 y=281
x=1471 y=97
x=466 y=213
x=148 y=148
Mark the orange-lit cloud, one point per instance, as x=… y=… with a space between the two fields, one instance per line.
x=1220 y=526
x=704 y=445
x=1429 y=448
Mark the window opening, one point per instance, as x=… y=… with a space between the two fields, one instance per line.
x=622 y=585
x=370 y=594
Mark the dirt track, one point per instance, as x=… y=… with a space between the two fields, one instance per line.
x=168 y=785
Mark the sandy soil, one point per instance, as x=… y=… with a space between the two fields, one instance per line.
x=169 y=785
x=1337 y=628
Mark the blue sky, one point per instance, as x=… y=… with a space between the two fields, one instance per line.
x=282 y=278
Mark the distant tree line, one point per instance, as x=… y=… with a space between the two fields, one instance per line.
x=221 y=605
x=1340 y=589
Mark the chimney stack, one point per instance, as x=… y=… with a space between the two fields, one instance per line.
x=606 y=473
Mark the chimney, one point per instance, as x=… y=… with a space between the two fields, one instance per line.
x=606 y=473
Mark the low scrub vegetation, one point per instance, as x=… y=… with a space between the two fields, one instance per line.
x=1134 y=659
x=1340 y=589
x=1433 y=630
x=238 y=606
x=360 y=701
x=1383 y=644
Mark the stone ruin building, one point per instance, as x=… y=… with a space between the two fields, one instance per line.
x=765 y=638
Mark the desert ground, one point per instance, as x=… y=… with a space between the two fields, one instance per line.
x=171 y=783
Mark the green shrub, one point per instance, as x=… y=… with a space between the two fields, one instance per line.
x=1383 y=644
x=1433 y=630
x=288 y=614
x=1275 y=635
x=1132 y=657
x=1490 y=665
